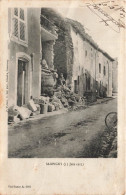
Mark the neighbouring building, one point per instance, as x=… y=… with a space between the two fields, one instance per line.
x=24 y=54
x=92 y=67
x=115 y=77
x=104 y=73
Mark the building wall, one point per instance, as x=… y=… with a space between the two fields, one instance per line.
x=32 y=47
x=105 y=80
x=84 y=63
x=86 y=68
x=78 y=61
x=34 y=39
x=90 y=64
x=115 y=76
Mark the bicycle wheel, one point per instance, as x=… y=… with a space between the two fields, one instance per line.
x=111 y=120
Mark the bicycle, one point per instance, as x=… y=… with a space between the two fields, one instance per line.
x=111 y=120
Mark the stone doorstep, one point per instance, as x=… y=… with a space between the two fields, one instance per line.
x=40 y=116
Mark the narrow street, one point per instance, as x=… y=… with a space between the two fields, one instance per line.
x=60 y=136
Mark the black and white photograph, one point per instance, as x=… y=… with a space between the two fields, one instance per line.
x=63 y=81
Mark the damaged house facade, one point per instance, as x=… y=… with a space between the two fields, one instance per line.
x=86 y=68
x=48 y=38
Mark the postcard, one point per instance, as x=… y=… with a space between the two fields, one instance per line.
x=62 y=99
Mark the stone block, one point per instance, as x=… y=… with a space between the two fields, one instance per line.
x=12 y=118
x=31 y=105
x=12 y=111
x=24 y=112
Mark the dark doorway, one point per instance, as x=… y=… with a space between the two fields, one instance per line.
x=75 y=86
x=22 y=83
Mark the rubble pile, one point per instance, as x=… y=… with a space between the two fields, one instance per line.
x=68 y=98
x=35 y=106
x=62 y=97
x=13 y=114
x=56 y=103
x=16 y=113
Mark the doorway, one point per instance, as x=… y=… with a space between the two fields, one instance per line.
x=22 y=82
x=75 y=86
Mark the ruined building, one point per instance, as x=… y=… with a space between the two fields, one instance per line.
x=86 y=68
x=63 y=55
x=48 y=74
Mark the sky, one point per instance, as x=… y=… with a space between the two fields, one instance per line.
x=107 y=39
